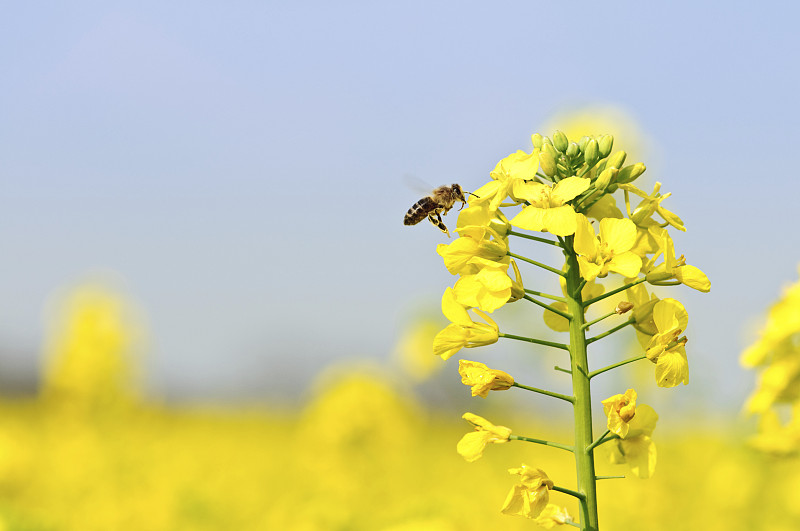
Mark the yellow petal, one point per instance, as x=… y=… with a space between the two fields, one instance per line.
x=531 y=218
x=555 y=321
x=450 y=340
x=619 y=234
x=693 y=277
x=585 y=243
x=561 y=221
x=672 y=368
x=568 y=189
x=454 y=310
x=471 y=445
x=626 y=264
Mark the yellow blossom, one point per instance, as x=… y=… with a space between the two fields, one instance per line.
x=530 y=497
x=643 y=304
x=513 y=169
x=471 y=445
x=553 y=515
x=610 y=252
x=650 y=204
x=457 y=255
x=665 y=348
x=548 y=210
x=463 y=332
x=605 y=207
x=637 y=449
x=672 y=268
x=482 y=378
x=620 y=410
x=488 y=289
x=475 y=219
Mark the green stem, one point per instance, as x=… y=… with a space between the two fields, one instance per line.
x=613 y=292
x=534 y=262
x=557 y=368
x=609 y=332
x=569 y=491
x=563 y=314
x=545 y=295
x=582 y=406
x=562 y=346
x=609 y=477
x=544 y=392
x=606 y=316
x=614 y=366
x=535 y=238
x=540 y=441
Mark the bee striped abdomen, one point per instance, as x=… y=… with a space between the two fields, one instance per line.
x=420 y=211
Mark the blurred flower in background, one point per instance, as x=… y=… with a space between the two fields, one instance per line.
x=776 y=353
x=93 y=349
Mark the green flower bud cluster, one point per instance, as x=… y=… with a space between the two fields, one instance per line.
x=589 y=157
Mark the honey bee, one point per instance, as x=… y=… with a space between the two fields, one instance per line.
x=433 y=206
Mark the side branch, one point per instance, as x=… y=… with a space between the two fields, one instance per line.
x=513 y=437
x=609 y=332
x=602 y=440
x=569 y=399
x=570 y=492
x=613 y=292
x=562 y=346
x=534 y=238
x=539 y=264
x=614 y=366
x=565 y=315
x=545 y=295
x=606 y=316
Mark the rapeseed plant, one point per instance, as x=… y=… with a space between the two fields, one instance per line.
x=776 y=398
x=560 y=187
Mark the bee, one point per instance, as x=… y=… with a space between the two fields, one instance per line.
x=433 y=206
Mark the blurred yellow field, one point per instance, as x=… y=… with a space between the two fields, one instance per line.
x=359 y=457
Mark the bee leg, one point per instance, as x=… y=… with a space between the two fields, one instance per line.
x=438 y=222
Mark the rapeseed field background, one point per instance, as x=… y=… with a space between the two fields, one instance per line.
x=362 y=452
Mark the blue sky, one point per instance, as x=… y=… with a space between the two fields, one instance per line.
x=242 y=165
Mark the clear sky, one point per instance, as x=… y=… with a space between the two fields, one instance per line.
x=241 y=165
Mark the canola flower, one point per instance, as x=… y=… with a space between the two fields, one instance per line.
x=565 y=194
x=776 y=398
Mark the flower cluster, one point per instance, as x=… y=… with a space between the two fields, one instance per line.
x=777 y=353
x=563 y=196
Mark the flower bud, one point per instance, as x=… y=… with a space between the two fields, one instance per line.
x=537 y=140
x=560 y=141
x=547 y=162
x=591 y=154
x=605 y=178
x=573 y=150
x=548 y=146
x=630 y=173
x=616 y=160
x=583 y=142
x=606 y=143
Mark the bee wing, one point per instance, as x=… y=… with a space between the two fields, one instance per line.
x=416 y=184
